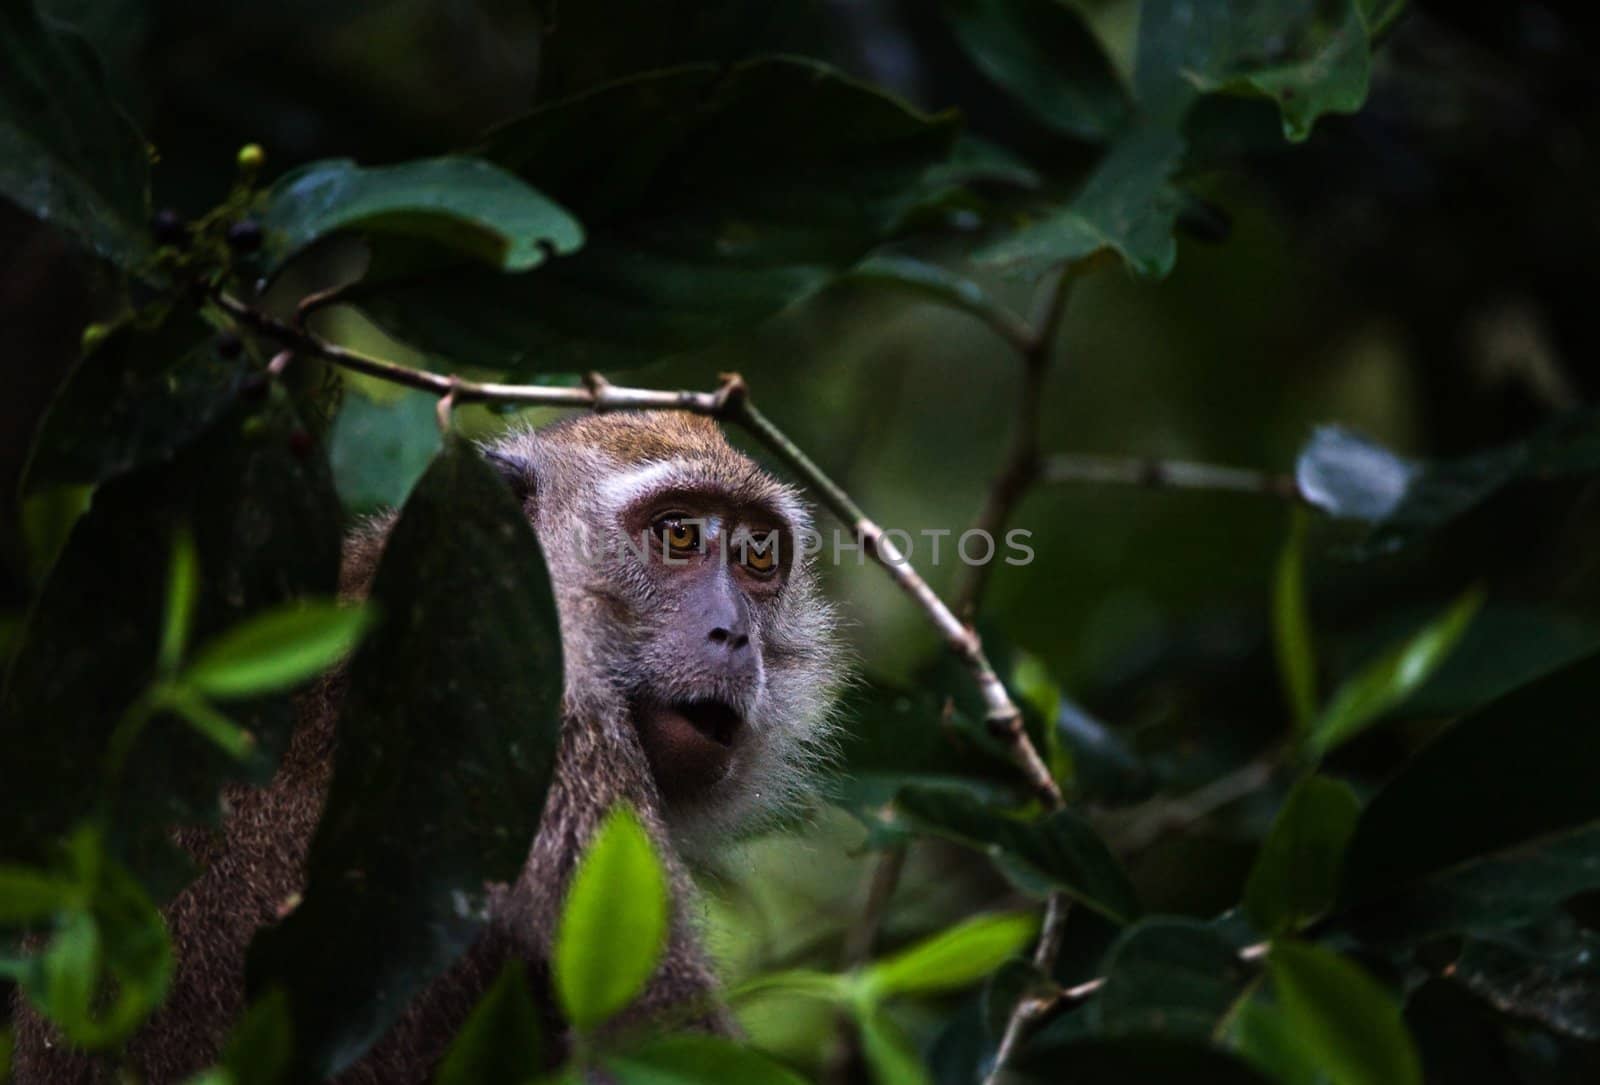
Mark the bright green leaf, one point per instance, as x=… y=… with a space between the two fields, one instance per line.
x=277 y=650
x=1261 y=1032
x=500 y=1040
x=613 y=925
x=1291 y=628
x=27 y=895
x=1335 y=1011
x=1382 y=684
x=953 y=958
x=183 y=584
x=260 y=1048
x=206 y=720
x=888 y=1051
x=461 y=204
x=1296 y=877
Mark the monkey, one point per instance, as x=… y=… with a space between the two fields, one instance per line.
x=702 y=665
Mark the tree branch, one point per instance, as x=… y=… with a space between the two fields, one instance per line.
x=730 y=402
x=1166 y=474
x=1021 y=467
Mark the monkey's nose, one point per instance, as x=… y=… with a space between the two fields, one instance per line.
x=734 y=640
x=726 y=650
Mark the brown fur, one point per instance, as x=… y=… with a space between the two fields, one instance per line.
x=253 y=875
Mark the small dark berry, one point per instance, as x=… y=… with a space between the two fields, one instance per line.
x=229 y=345
x=245 y=235
x=168 y=228
x=300 y=443
x=255 y=388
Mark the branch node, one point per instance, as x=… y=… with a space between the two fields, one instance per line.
x=598 y=388
x=446 y=404
x=730 y=394
x=312 y=302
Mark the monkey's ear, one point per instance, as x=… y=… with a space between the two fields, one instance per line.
x=515 y=468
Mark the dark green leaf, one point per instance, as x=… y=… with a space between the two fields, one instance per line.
x=447 y=738
x=1387 y=681
x=1147 y=1060
x=277 y=649
x=1501 y=785
x=1342 y=1018
x=380 y=447
x=1327 y=72
x=1058 y=851
x=1164 y=976
x=712 y=197
x=953 y=958
x=1500 y=890
x=136 y=399
x=907 y=735
x=459 y=204
x=265 y=525
x=689 y=1059
x=1296 y=876
x=500 y=1041
x=940 y=285
x=1310 y=57
x=1126 y=206
x=68 y=155
x=613 y=925
x=1549 y=973
x=1045 y=54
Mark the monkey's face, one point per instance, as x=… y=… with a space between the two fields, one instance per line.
x=684 y=592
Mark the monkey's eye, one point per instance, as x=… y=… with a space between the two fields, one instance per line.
x=760 y=555
x=680 y=536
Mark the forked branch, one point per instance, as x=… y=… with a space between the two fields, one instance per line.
x=730 y=402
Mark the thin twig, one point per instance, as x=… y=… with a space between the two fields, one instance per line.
x=1164 y=815
x=1021 y=467
x=1033 y=1010
x=1017 y=474
x=730 y=402
x=1166 y=474
x=885 y=877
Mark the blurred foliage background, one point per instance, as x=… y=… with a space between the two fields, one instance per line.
x=1419 y=272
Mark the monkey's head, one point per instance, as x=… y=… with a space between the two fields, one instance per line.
x=687 y=607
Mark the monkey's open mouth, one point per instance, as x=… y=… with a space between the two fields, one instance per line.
x=713 y=719
x=690 y=744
